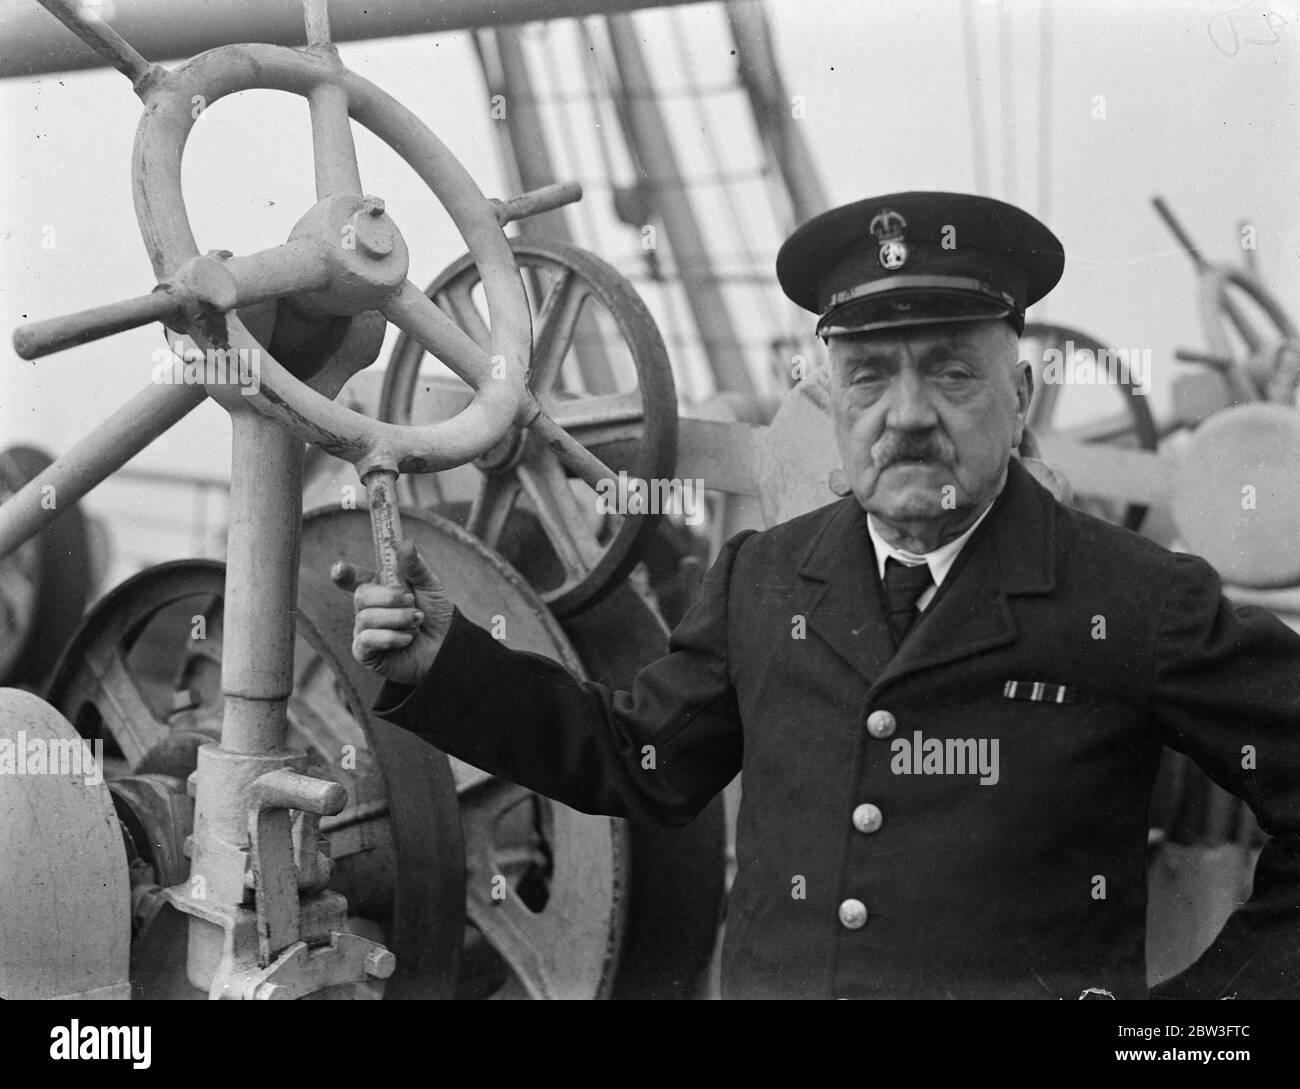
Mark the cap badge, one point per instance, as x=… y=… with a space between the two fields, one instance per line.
x=888 y=226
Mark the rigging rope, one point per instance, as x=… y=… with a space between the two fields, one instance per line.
x=1008 y=95
x=1044 y=113
x=734 y=213
x=974 y=96
x=568 y=140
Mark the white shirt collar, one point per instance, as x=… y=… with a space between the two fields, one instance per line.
x=940 y=560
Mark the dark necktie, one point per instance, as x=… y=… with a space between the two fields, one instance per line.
x=904 y=586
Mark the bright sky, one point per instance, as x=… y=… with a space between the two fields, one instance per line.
x=1144 y=99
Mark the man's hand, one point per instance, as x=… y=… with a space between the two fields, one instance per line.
x=399 y=629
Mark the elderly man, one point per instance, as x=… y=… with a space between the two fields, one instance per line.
x=948 y=693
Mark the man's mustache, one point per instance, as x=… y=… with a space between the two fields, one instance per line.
x=896 y=446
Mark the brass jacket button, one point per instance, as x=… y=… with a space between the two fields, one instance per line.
x=853 y=914
x=881 y=724
x=868 y=818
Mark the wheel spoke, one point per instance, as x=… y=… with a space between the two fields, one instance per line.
x=1240 y=321
x=93 y=29
x=324 y=725
x=416 y=315
x=556 y=324
x=123 y=708
x=492 y=506
x=600 y=421
x=560 y=951
x=519 y=936
x=457 y=301
x=18 y=594
x=563 y=517
x=316 y=691
x=572 y=454
x=333 y=149
x=576 y=414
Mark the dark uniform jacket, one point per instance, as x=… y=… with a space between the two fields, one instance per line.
x=1080 y=648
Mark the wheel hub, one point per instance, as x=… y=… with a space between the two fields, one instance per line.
x=367 y=256
x=505 y=455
